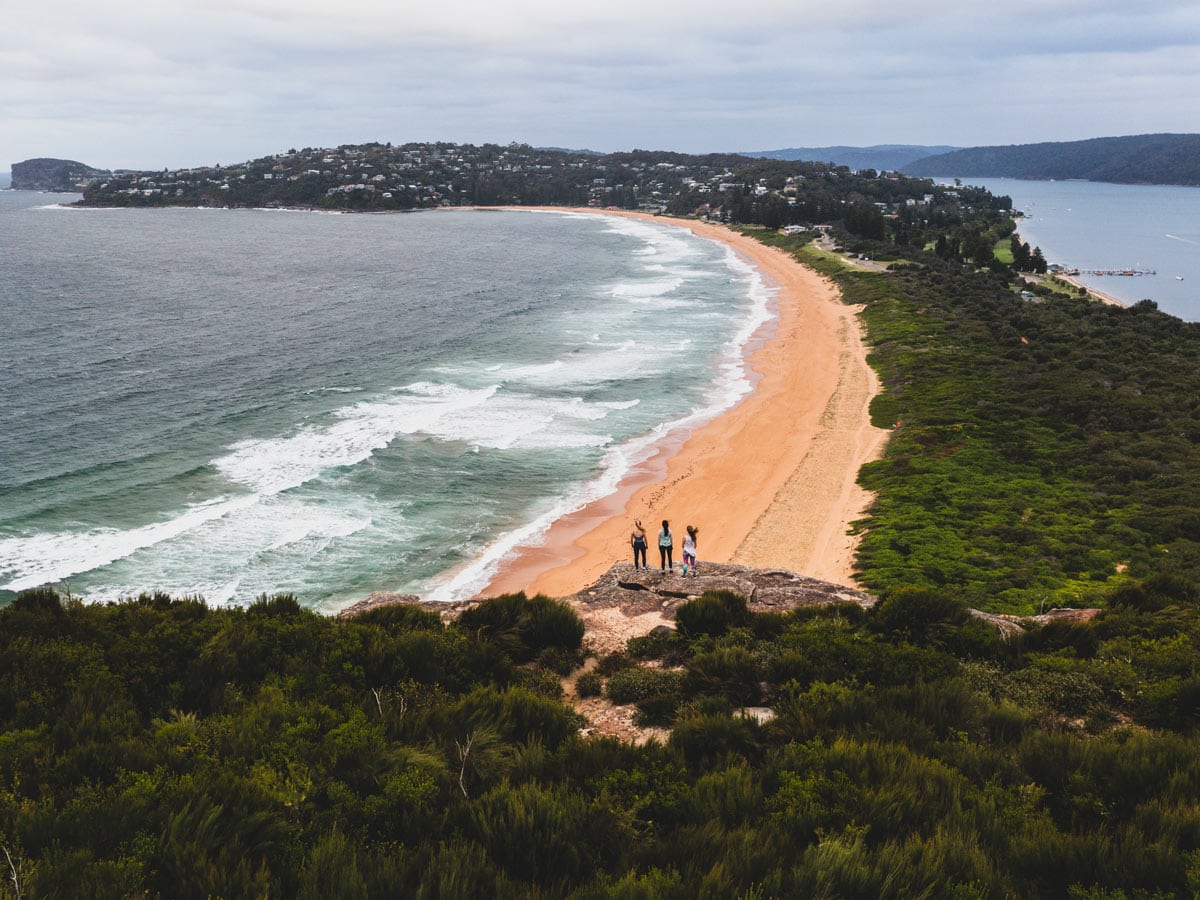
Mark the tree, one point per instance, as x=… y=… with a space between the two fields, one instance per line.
x=1020 y=254
x=1037 y=262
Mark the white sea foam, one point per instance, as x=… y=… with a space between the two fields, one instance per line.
x=664 y=242
x=27 y=562
x=259 y=547
x=525 y=421
x=334 y=390
x=596 y=363
x=276 y=464
x=234 y=528
x=649 y=289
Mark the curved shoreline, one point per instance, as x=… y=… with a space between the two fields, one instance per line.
x=771 y=481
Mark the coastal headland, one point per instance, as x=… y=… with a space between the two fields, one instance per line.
x=771 y=481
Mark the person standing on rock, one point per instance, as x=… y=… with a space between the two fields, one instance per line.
x=689 y=550
x=637 y=540
x=666 y=544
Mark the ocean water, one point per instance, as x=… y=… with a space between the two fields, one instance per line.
x=227 y=403
x=1090 y=225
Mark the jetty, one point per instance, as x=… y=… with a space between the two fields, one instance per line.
x=1128 y=272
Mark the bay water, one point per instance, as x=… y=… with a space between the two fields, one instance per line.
x=1092 y=225
x=233 y=402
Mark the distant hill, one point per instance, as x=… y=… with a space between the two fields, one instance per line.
x=1136 y=159
x=583 y=152
x=883 y=157
x=62 y=175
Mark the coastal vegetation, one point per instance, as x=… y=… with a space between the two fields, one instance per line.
x=162 y=748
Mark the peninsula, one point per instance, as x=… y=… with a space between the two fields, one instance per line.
x=54 y=175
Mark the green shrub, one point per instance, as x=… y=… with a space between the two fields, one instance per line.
x=658 y=710
x=921 y=615
x=1173 y=703
x=1006 y=723
x=713 y=613
x=542 y=682
x=730 y=672
x=1081 y=638
x=612 y=663
x=280 y=606
x=38 y=600
x=550 y=623
x=523 y=628
x=588 y=685
x=768 y=625
x=561 y=660
x=401 y=617
x=461 y=869
x=707 y=738
x=516 y=714
x=637 y=683
x=1172 y=587
x=669 y=646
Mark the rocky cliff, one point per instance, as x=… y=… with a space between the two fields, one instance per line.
x=59 y=175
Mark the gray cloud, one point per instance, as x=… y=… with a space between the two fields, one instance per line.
x=180 y=83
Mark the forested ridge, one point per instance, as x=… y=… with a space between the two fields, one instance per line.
x=1136 y=159
x=1043 y=453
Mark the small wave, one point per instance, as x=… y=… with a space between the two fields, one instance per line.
x=333 y=389
x=27 y=562
x=661 y=241
x=280 y=209
x=536 y=371
x=278 y=464
x=646 y=290
x=620 y=404
x=209 y=550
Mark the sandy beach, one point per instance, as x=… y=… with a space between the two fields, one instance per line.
x=1091 y=291
x=770 y=482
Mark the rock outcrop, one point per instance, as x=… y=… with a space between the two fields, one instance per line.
x=765 y=590
x=626 y=602
x=1011 y=626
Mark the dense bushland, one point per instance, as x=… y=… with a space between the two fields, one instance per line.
x=162 y=748
x=1039 y=449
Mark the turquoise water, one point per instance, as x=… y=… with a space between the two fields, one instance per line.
x=227 y=403
x=1089 y=225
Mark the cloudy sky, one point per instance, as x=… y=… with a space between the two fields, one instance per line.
x=190 y=82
